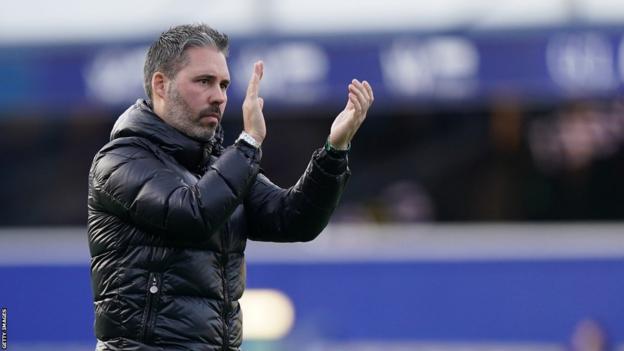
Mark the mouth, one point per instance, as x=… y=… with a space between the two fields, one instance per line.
x=212 y=116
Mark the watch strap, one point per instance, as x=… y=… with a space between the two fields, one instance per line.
x=244 y=136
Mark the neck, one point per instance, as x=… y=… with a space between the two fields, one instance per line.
x=159 y=108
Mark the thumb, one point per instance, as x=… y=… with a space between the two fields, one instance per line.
x=349 y=104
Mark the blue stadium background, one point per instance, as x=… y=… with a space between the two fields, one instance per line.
x=485 y=208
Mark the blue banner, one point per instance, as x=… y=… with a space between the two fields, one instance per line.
x=404 y=68
x=462 y=302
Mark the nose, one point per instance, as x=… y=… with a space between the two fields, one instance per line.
x=218 y=96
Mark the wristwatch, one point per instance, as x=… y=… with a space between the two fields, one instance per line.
x=248 y=139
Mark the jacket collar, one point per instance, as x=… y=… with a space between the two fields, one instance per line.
x=140 y=120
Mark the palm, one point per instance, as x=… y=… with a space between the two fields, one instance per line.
x=253 y=118
x=349 y=120
x=343 y=126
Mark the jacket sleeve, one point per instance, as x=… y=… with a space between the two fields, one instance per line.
x=301 y=212
x=128 y=180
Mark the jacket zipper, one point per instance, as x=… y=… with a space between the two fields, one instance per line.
x=226 y=295
x=203 y=166
x=153 y=291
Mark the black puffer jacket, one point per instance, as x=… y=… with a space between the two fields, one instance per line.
x=168 y=223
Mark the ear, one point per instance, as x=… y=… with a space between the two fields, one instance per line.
x=159 y=89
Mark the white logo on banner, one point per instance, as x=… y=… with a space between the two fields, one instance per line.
x=581 y=62
x=116 y=75
x=440 y=66
x=294 y=72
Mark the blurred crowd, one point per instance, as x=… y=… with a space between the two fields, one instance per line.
x=504 y=161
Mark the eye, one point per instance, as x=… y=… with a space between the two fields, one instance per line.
x=204 y=81
x=224 y=86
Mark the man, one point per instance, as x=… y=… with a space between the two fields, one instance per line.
x=170 y=209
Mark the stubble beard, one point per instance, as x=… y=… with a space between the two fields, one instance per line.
x=181 y=117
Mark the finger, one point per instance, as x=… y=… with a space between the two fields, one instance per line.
x=365 y=93
x=360 y=86
x=361 y=91
x=364 y=103
x=259 y=68
x=254 y=82
x=261 y=102
x=356 y=103
x=360 y=94
x=349 y=103
x=369 y=90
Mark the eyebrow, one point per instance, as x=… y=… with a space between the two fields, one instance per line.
x=210 y=76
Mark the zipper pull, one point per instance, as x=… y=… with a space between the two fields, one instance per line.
x=154 y=288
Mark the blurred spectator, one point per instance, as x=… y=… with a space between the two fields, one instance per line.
x=404 y=202
x=589 y=335
x=576 y=137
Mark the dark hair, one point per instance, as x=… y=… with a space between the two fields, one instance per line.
x=167 y=54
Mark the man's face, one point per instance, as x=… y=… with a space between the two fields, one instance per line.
x=195 y=99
